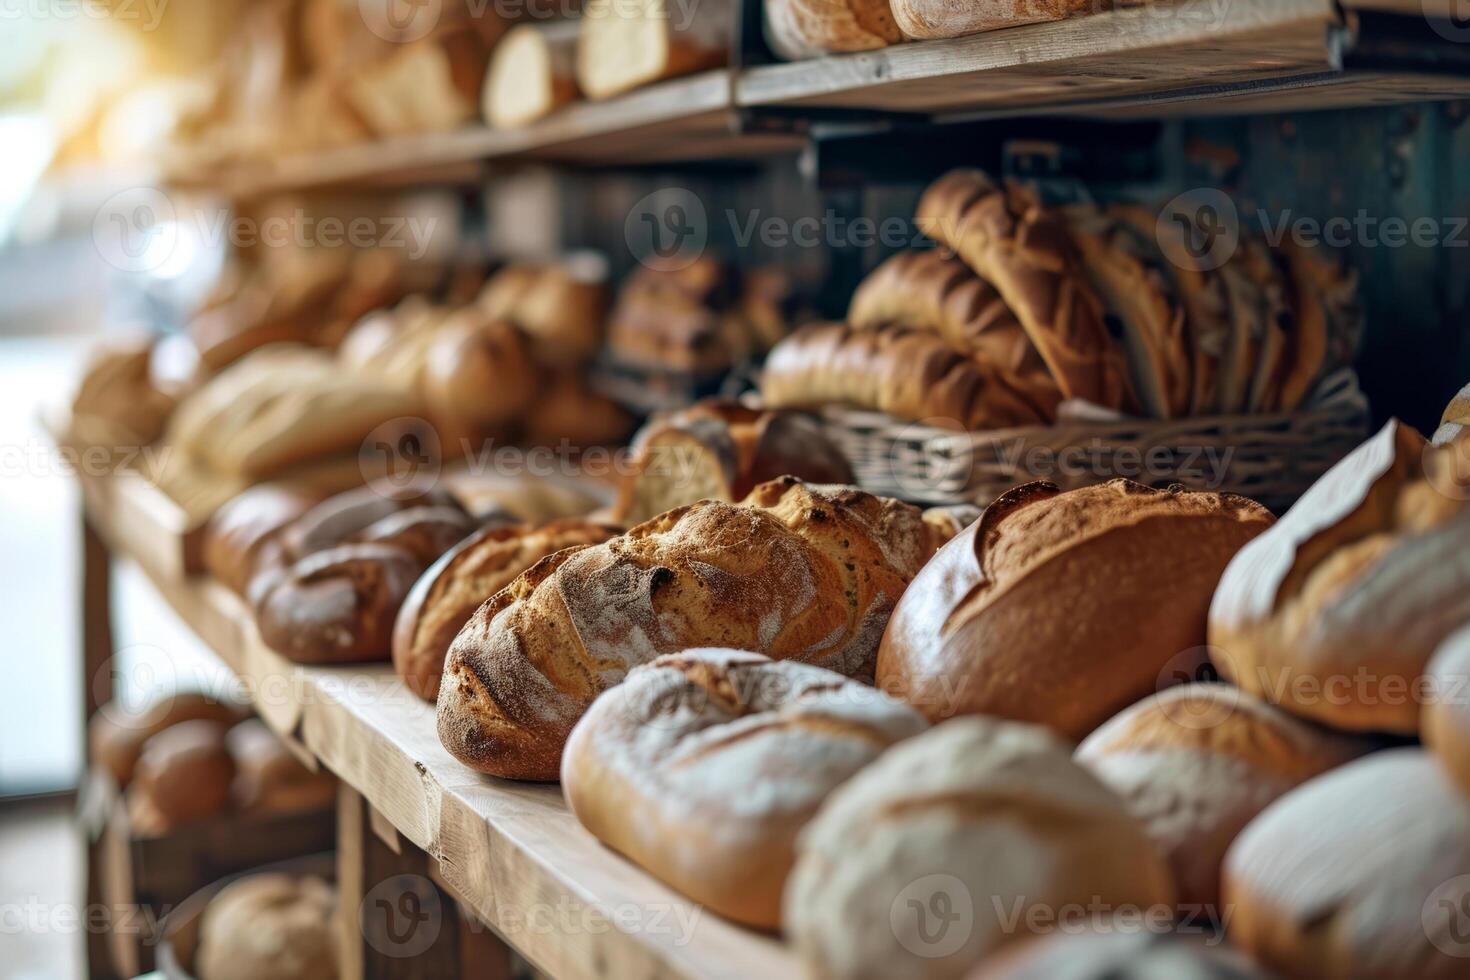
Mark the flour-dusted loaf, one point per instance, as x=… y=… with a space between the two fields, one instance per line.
x=720 y=450
x=795 y=571
x=532 y=73
x=625 y=44
x=1026 y=252
x=929 y=19
x=1196 y=763
x=271 y=925
x=910 y=374
x=1335 y=612
x=447 y=595
x=1063 y=608
x=1360 y=874
x=702 y=767
x=797 y=29
x=953 y=844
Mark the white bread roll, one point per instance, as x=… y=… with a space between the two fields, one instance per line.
x=1361 y=874
x=953 y=844
x=1196 y=764
x=703 y=765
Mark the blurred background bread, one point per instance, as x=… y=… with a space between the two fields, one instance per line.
x=270 y=925
x=183 y=775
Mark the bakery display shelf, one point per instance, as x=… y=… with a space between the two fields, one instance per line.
x=512 y=852
x=1172 y=56
x=683 y=119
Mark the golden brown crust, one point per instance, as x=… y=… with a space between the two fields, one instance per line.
x=1063 y=608
x=269 y=778
x=930 y=19
x=795 y=571
x=243 y=528
x=183 y=775
x=1025 y=252
x=799 y=29
x=115 y=735
x=447 y=595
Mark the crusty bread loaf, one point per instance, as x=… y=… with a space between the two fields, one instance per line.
x=684 y=319
x=341 y=518
x=183 y=775
x=797 y=572
x=478 y=371
x=1063 y=608
x=532 y=73
x=910 y=374
x=270 y=925
x=424 y=532
x=1447 y=714
x=1334 y=613
x=246 y=527
x=269 y=778
x=447 y=595
x=428 y=85
x=988 y=825
x=1129 y=273
x=797 y=29
x=563 y=312
x=337 y=605
x=1119 y=948
x=1025 y=251
x=1360 y=874
x=624 y=45
x=703 y=765
x=929 y=19
x=720 y=450
x=1196 y=763
x=116 y=735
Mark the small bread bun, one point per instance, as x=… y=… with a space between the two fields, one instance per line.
x=1196 y=764
x=270 y=925
x=1361 y=874
x=183 y=775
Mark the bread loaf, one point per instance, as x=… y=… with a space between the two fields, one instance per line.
x=946 y=522
x=568 y=411
x=703 y=765
x=270 y=925
x=447 y=595
x=117 y=402
x=797 y=572
x=1273 y=357
x=985 y=823
x=183 y=775
x=797 y=29
x=340 y=519
x=1363 y=873
x=429 y=85
x=564 y=313
x=337 y=605
x=269 y=779
x=1196 y=763
x=247 y=528
x=624 y=45
x=478 y=371
x=683 y=319
x=1447 y=713
x=1456 y=416
x=929 y=19
x=1026 y=253
x=116 y=735
x=424 y=532
x=936 y=291
x=1334 y=613
x=532 y=73
x=910 y=374
x=719 y=450
x=1063 y=608
x=1119 y=948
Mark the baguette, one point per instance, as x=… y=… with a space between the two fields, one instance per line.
x=532 y=73
x=1025 y=252
x=625 y=44
x=909 y=374
x=798 y=572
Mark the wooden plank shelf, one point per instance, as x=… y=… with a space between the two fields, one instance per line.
x=511 y=852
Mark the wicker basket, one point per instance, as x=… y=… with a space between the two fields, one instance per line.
x=1271 y=458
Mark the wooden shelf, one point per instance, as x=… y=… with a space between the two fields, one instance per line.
x=510 y=851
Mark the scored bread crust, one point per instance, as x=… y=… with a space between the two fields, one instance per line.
x=447 y=595
x=930 y=19
x=1356 y=586
x=798 y=29
x=1196 y=763
x=910 y=374
x=1063 y=608
x=796 y=571
x=1026 y=253
x=703 y=765
x=975 y=809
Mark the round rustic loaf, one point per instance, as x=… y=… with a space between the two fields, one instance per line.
x=270 y=925
x=1196 y=763
x=1119 y=949
x=183 y=775
x=1361 y=874
x=956 y=842
x=1334 y=613
x=796 y=572
x=116 y=735
x=1063 y=608
x=1447 y=714
x=702 y=767
x=447 y=595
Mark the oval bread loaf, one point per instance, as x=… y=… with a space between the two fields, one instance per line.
x=703 y=765
x=183 y=775
x=955 y=843
x=797 y=572
x=1063 y=608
